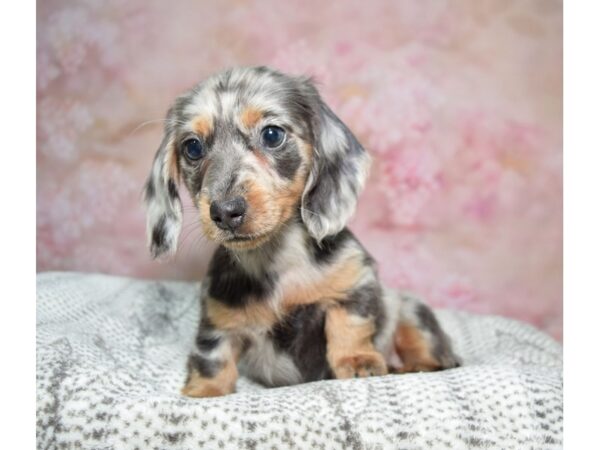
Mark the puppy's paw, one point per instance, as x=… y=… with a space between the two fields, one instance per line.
x=199 y=386
x=198 y=390
x=360 y=365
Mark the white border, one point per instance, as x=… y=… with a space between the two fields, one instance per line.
x=17 y=261
x=582 y=223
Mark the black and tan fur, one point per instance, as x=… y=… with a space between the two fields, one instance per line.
x=290 y=296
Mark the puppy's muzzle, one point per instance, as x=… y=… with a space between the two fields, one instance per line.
x=228 y=214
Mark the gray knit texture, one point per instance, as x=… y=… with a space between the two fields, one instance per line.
x=111 y=356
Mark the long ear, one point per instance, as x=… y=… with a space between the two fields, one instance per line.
x=337 y=176
x=164 y=211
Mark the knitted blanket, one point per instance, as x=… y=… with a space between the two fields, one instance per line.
x=111 y=358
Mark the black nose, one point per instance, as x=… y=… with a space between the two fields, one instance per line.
x=228 y=214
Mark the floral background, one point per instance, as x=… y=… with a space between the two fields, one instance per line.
x=459 y=102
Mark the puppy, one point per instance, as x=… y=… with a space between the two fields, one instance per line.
x=290 y=295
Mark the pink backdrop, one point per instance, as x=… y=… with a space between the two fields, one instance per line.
x=459 y=102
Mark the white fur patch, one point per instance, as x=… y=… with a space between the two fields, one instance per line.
x=264 y=363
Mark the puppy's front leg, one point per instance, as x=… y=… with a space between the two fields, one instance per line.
x=212 y=366
x=350 y=349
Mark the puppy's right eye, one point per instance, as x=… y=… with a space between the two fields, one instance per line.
x=193 y=150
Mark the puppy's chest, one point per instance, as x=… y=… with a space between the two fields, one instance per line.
x=251 y=304
x=276 y=284
x=244 y=298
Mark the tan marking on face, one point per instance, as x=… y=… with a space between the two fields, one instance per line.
x=263 y=218
x=222 y=383
x=272 y=206
x=350 y=348
x=250 y=117
x=333 y=286
x=288 y=200
x=414 y=351
x=267 y=211
x=260 y=216
x=202 y=125
x=210 y=230
x=258 y=313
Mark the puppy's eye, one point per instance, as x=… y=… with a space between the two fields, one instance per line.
x=193 y=149
x=272 y=137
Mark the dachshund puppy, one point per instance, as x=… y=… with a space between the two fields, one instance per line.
x=290 y=296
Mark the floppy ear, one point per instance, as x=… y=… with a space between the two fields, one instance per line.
x=337 y=176
x=163 y=205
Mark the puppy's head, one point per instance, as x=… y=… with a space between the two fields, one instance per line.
x=253 y=147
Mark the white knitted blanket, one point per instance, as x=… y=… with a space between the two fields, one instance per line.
x=111 y=358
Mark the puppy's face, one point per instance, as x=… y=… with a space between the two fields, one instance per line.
x=253 y=147
x=243 y=148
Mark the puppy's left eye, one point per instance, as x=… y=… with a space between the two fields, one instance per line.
x=272 y=136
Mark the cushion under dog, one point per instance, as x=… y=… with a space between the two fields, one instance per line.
x=111 y=356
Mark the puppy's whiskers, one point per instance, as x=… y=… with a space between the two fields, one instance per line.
x=148 y=122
